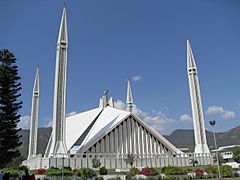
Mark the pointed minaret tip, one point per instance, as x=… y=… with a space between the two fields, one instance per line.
x=36 y=82
x=190 y=58
x=129 y=101
x=63 y=36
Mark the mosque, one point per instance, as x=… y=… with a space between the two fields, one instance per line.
x=106 y=132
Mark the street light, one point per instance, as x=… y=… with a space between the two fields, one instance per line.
x=62 y=167
x=213 y=123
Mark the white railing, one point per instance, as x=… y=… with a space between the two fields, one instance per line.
x=118 y=161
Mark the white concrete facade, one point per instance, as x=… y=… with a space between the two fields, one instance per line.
x=117 y=161
x=34 y=118
x=57 y=145
x=129 y=101
x=196 y=103
x=111 y=130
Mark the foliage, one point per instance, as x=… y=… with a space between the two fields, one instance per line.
x=9 y=108
x=134 y=171
x=130 y=159
x=12 y=171
x=211 y=169
x=148 y=171
x=193 y=162
x=59 y=172
x=236 y=174
x=41 y=171
x=86 y=173
x=199 y=172
x=226 y=171
x=116 y=178
x=96 y=163
x=236 y=154
x=170 y=170
x=99 y=178
x=103 y=171
x=23 y=168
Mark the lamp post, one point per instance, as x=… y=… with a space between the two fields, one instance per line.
x=213 y=123
x=62 y=167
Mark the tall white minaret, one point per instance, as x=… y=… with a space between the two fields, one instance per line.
x=129 y=101
x=196 y=102
x=34 y=118
x=58 y=141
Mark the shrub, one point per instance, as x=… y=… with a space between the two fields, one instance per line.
x=227 y=171
x=23 y=168
x=58 y=172
x=199 y=173
x=68 y=167
x=236 y=174
x=103 y=171
x=86 y=173
x=134 y=171
x=211 y=169
x=170 y=170
x=12 y=171
x=41 y=171
x=148 y=171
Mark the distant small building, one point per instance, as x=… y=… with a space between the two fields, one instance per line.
x=227 y=155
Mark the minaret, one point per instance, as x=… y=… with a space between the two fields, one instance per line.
x=34 y=118
x=58 y=143
x=197 y=112
x=129 y=101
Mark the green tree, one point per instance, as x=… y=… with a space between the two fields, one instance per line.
x=9 y=108
x=130 y=159
x=96 y=163
x=193 y=162
x=236 y=154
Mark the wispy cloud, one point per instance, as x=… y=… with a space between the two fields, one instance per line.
x=228 y=115
x=136 y=78
x=218 y=110
x=185 y=118
x=156 y=119
x=214 y=110
x=120 y=105
x=24 y=122
x=49 y=121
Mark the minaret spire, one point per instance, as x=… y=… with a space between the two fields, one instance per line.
x=129 y=101
x=34 y=118
x=196 y=103
x=58 y=143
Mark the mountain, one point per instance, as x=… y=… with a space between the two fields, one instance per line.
x=181 y=138
x=42 y=140
x=184 y=138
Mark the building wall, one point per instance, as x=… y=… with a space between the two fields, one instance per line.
x=118 y=161
x=129 y=137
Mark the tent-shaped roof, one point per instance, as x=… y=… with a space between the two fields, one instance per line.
x=85 y=129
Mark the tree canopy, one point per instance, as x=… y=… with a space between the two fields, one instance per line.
x=10 y=105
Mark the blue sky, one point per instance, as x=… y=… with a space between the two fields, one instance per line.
x=111 y=41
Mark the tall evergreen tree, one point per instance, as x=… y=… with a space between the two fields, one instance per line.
x=9 y=108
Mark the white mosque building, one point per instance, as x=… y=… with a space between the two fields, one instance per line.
x=106 y=132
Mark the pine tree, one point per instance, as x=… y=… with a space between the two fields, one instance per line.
x=9 y=108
